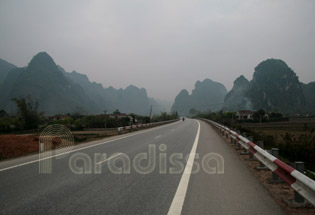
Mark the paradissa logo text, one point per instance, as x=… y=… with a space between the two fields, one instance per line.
x=145 y=162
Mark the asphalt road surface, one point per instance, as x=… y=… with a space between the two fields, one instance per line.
x=179 y=168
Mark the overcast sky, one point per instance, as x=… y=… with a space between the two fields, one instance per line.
x=161 y=45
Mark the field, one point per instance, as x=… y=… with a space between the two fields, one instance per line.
x=13 y=145
x=294 y=138
x=17 y=145
x=294 y=127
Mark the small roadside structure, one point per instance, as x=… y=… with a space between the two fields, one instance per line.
x=244 y=115
x=57 y=117
x=118 y=115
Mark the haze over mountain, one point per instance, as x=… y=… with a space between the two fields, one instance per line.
x=58 y=91
x=274 y=87
x=5 y=67
x=207 y=95
x=309 y=93
x=154 y=43
x=235 y=99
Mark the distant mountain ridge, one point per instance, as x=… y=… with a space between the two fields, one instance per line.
x=129 y=100
x=207 y=95
x=45 y=83
x=274 y=87
x=309 y=93
x=60 y=92
x=5 y=67
x=235 y=99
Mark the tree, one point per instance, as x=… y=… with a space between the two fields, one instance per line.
x=259 y=114
x=193 y=112
x=276 y=115
x=116 y=111
x=27 y=112
x=3 y=113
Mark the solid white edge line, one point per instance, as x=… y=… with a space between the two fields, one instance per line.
x=179 y=198
x=85 y=147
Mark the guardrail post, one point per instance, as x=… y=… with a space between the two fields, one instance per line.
x=232 y=139
x=238 y=145
x=251 y=156
x=261 y=164
x=299 y=166
x=275 y=177
x=244 y=152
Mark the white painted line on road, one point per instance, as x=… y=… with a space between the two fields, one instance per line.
x=85 y=147
x=157 y=137
x=178 y=200
x=109 y=158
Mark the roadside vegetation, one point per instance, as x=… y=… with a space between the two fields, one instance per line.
x=29 y=119
x=20 y=131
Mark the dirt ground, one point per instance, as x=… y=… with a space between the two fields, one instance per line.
x=17 y=145
x=12 y=145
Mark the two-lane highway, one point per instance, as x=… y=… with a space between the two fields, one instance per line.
x=137 y=173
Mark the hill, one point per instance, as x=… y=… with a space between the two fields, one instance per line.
x=43 y=82
x=60 y=92
x=274 y=87
x=235 y=99
x=5 y=67
x=309 y=90
x=207 y=95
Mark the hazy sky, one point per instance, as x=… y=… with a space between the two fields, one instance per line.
x=161 y=45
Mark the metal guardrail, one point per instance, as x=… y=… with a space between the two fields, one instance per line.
x=100 y=129
x=302 y=184
x=125 y=128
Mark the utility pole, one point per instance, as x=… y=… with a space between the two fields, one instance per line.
x=150 y=112
x=105 y=111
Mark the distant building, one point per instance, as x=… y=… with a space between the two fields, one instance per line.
x=244 y=115
x=58 y=117
x=118 y=116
